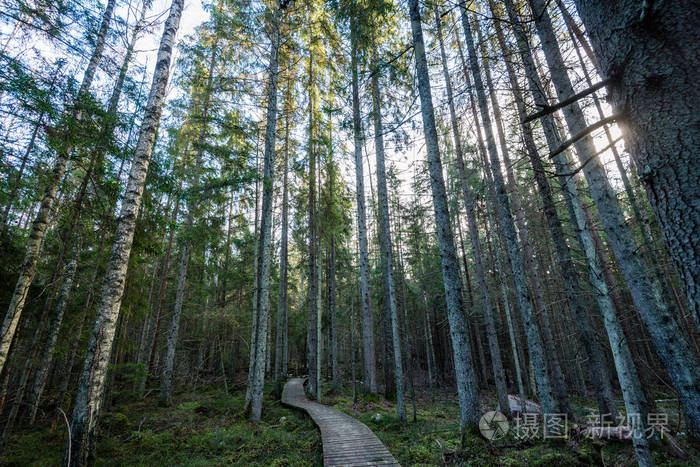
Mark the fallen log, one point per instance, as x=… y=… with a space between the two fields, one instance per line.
x=515 y=405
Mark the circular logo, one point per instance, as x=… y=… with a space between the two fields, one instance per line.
x=493 y=425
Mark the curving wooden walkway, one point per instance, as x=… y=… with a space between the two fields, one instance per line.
x=346 y=441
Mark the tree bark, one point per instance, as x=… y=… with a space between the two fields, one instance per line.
x=91 y=386
x=370 y=366
x=649 y=60
x=671 y=344
x=467 y=388
x=28 y=267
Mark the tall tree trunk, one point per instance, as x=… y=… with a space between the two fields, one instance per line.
x=265 y=243
x=671 y=344
x=28 y=267
x=164 y=398
x=649 y=52
x=80 y=450
x=42 y=373
x=319 y=285
x=282 y=297
x=635 y=402
x=507 y=227
x=335 y=370
x=494 y=348
x=467 y=389
x=594 y=352
x=385 y=241
x=311 y=336
x=256 y=259
x=370 y=375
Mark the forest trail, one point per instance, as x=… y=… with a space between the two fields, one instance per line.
x=346 y=441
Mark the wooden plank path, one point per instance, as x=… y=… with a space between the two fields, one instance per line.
x=346 y=440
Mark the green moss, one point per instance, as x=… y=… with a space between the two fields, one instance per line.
x=554 y=458
x=209 y=428
x=201 y=429
x=190 y=405
x=115 y=421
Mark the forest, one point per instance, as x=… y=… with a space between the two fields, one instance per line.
x=349 y=232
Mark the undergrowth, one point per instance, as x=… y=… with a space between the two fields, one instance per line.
x=434 y=437
x=200 y=429
x=208 y=427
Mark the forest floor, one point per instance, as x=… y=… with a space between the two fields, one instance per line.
x=208 y=427
x=202 y=428
x=433 y=438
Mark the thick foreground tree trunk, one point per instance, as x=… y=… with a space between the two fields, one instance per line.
x=659 y=317
x=651 y=54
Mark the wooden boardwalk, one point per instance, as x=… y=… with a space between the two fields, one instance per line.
x=346 y=440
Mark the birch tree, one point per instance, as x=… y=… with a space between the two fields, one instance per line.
x=41 y=221
x=81 y=444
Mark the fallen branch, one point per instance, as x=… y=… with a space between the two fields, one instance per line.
x=70 y=441
x=583 y=133
x=516 y=405
x=548 y=109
